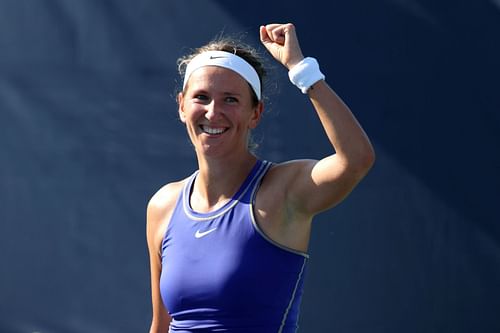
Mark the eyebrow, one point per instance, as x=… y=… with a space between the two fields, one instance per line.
x=226 y=93
x=206 y=92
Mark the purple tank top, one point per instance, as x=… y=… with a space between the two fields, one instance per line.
x=221 y=273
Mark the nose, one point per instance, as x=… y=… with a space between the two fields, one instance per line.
x=212 y=111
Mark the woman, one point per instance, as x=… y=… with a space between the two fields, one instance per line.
x=228 y=245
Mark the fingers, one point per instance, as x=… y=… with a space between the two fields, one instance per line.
x=276 y=32
x=264 y=38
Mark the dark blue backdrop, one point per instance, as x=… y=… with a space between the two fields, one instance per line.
x=88 y=132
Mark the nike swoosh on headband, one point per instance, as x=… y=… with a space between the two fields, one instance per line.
x=225 y=60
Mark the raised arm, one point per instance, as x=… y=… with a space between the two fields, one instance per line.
x=314 y=186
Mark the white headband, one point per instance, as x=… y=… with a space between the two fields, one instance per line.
x=225 y=60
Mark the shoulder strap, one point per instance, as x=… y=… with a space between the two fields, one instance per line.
x=255 y=182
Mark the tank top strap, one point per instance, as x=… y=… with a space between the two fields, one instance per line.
x=188 y=187
x=254 y=181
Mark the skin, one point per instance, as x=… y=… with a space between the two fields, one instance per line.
x=218 y=100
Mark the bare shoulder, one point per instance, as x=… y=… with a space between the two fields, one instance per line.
x=159 y=210
x=283 y=175
x=281 y=179
x=305 y=187
x=165 y=197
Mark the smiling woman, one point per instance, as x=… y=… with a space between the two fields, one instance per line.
x=228 y=244
x=233 y=54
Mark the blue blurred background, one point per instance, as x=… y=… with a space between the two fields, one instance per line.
x=89 y=131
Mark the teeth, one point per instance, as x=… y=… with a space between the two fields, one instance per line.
x=211 y=130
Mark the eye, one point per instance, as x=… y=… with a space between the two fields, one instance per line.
x=231 y=100
x=201 y=97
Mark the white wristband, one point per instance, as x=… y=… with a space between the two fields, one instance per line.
x=305 y=74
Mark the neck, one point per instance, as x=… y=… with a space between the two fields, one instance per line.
x=218 y=180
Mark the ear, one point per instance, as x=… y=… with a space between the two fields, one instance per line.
x=256 y=115
x=180 y=103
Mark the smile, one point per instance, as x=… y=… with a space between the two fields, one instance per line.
x=213 y=130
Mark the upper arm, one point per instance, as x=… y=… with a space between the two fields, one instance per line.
x=158 y=213
x=315 y=186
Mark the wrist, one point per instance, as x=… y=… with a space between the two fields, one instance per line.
x=293 y=62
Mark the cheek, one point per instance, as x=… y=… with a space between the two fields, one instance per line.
x=189 y=113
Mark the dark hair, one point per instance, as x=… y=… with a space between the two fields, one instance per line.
x=231 y=45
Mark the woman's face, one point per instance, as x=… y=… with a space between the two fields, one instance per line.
x=217 y=109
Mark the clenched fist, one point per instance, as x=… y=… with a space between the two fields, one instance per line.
x=281 y=41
